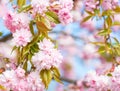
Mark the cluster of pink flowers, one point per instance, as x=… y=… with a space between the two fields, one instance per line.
x=64 y=13
x=109 y=4
x=22 y=37
x=16 y=80
x=107 y=82
x=91 y=5
x=61 y=7
x=18 y=24
x=47 y=57
x=39 y=6
x=15 y=21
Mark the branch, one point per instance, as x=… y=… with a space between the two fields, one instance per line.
x=68 y=80
x=5 y=38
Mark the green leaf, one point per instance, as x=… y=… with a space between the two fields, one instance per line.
x=25 y=66
x=109 y=74
x=116 y=23
x=2 y=88
x=42 y=28
x=31 y=28
x=98 y=43
x=1 y=33
x=52 y=17
x=21 y=3
x=90 y=13
x=116 y=40
x=13 y=49
x=55 y=71
x=101 y=50
x=86 y=19
x=56 y=74
x=109 y=21
x=57 y=79
x=104 y=32
x=117 y=9
x=46 y=77
x=25 y=8
x=46 y=22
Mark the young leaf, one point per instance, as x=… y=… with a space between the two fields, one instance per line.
x=104 y=32
x=25 y=8
x=86 y=18
x=31 y=28
x=52 y=17
x=25 y=66
x=21 y=3
x=46 y=77
x=109 y=21
x=1 y=33
x=55 y=71
x=42 y=27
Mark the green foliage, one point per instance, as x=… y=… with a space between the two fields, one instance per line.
x=1 y=33
x=86 y=18
x=21 y=3
x=47 y=75
x=52 y=17
x=24 y=8
x=104 y=32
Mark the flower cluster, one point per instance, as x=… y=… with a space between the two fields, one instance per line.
x=109 y=4
x=16 y=80
x=107 y=82
x=18 y=24
x=91 y=5
x=39 y=6
x=15 y=21
x=22 y=37
x=61 y=7
x=47 y=57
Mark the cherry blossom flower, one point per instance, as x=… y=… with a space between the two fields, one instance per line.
x=39 y=6
x=90 y=5
x=47 y=57
x=109 y=4
x=15 y=21
x=68 y=4
x=22 y=37
x=65 y=16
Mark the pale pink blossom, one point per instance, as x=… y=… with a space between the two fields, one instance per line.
x=68 y=4
x=90 y=5
x=47 y=57
x=46 y=44
x=22 y=37
x=14 y=21
x=12 y=81
x=109 y=4
x=65 y=16
x=3 y=8
x=39 y=6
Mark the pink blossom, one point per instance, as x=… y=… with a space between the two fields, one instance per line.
x=68 y=4
x=90 y=5
x=39 y=6
x=47 y=57
x=22 y=37
x=109 y=4
x=20 y=72
x=3 y=8
x=65 y=16
x=15 y=21
x=46 y=44
x=12 y=81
